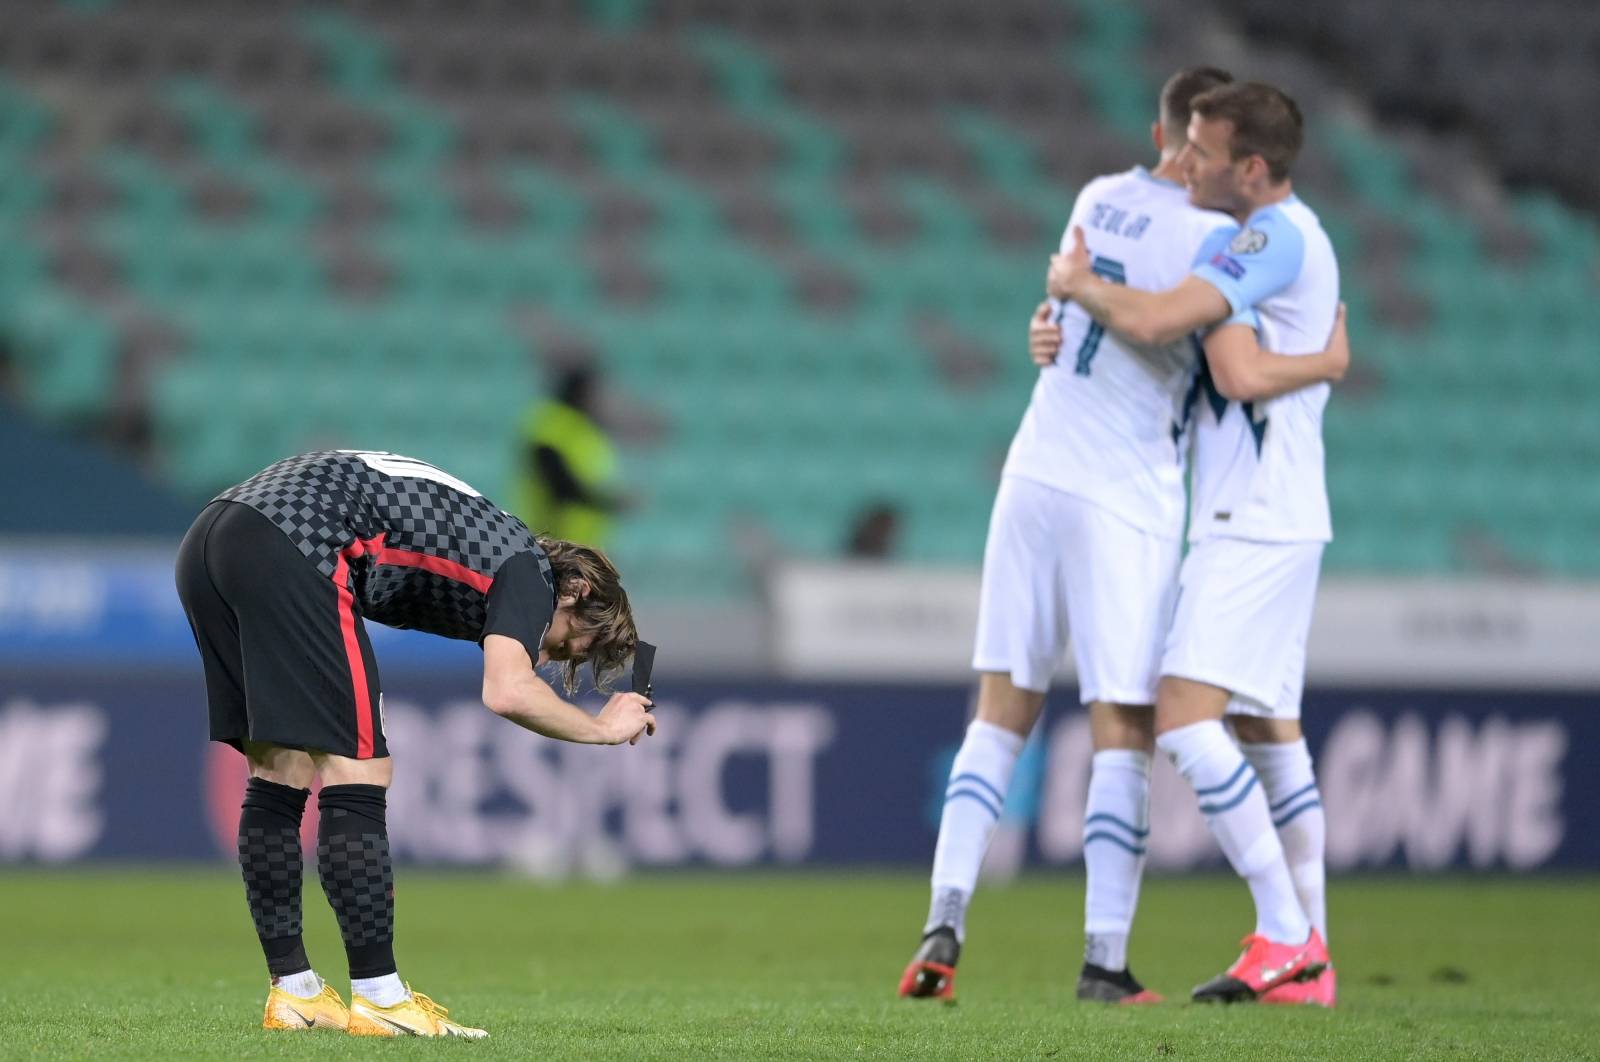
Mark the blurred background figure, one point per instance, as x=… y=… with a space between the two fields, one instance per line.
x=876 y=533
x=568 y=482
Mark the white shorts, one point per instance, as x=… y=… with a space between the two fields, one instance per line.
x=1055 y=563
x=1244 y=610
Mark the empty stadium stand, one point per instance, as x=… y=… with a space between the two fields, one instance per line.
x=807 y=235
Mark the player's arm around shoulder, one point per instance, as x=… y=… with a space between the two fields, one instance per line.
x=1147 y=318
x=1244 y=372
x=514 y=691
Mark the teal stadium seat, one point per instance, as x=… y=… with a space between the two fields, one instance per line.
x=674 y=211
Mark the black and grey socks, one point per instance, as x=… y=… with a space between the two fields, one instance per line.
x=353 y=862
x=269 y=856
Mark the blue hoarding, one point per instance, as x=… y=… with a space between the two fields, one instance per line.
x=113 y=763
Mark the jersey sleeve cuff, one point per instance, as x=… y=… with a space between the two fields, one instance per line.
x=1246 y=316
x=1217 y=277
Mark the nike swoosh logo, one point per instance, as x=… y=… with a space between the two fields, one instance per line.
x=309 y=1021
x=406 y=1029
x=1272 y=973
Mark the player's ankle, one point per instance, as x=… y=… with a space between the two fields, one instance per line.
x=384 y=990
x=303 y=983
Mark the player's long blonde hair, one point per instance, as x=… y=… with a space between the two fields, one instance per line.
x=603 y=612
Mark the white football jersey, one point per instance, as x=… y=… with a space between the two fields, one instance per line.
x=1104 y=423
x=1258 y=470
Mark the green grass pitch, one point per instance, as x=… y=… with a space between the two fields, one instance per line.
x=163 y=964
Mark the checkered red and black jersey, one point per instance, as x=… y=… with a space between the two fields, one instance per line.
x=418 y=548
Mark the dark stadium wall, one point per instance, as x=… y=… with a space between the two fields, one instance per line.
x=55 y=484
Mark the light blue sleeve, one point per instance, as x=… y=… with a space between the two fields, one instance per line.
x=1255 y=262
x=1214 y=244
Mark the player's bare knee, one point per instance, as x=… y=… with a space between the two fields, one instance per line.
x=343 y=770
x=274 y=763
x=1182 y=702
x=1004 y=704
x=1122 y=726
x=1256 y=730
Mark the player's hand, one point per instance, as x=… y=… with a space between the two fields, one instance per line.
x=1068 y=270
x=1044 y=336
x=626 y=717
x=1338 y=348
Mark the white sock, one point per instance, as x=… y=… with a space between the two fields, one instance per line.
x=972 y=801
x=385 y=991
x=1115 y=824
x=1236 y=810
x=304 y=984
x=1296 y=806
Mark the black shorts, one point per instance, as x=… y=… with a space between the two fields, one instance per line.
x=287 y=659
